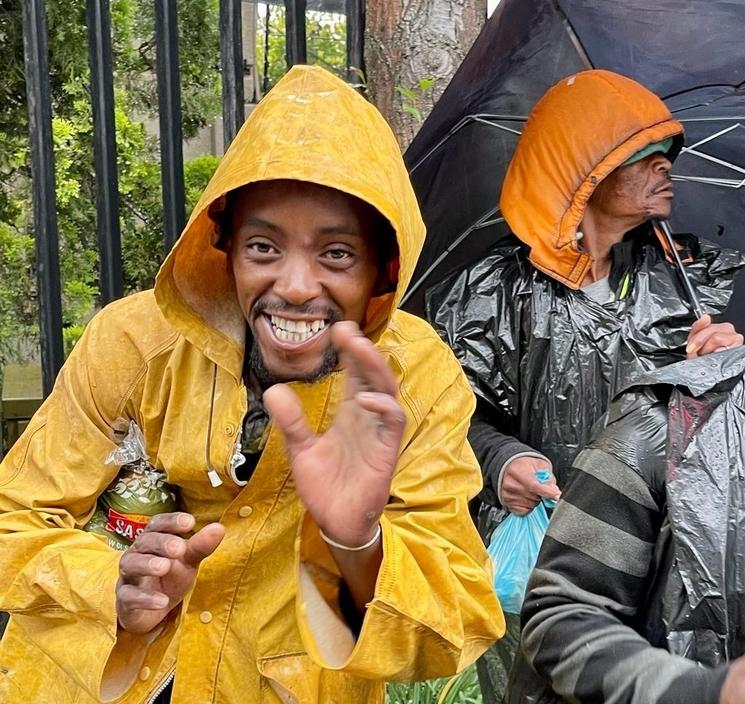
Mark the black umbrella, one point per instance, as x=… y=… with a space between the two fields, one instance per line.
x=690 y=52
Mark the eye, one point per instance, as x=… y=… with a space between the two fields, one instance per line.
x=338 y=254
x=260 y=248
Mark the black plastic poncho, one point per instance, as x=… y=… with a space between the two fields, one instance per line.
x=545 y=360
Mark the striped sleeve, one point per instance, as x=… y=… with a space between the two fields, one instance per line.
x=593 y=575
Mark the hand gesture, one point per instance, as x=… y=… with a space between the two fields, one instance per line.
x=521 y=491
x=344 y=476
x=159 y=568
x=706 y=337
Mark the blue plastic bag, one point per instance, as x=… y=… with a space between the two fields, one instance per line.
x=514 y=550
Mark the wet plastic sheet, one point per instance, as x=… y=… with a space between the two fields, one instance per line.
x=548 y=359
x=704 y=599
x=700 y=601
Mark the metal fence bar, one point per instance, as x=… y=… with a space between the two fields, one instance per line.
x=355 y=40
x=296 y=49
x=98 y=18
x=43 y=188
x=169 y=104
x=231 y=61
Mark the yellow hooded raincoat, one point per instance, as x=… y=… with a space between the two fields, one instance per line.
x=261 y=623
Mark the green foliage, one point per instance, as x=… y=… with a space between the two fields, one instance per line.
x=412 y=97
x=326 y=41
x=141 y=218
x=461 y=689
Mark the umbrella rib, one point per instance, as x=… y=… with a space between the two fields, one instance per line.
x=497 y=126
x=483 y=221
x=714 y=159
x=467 y=119
x=691 y=147
x=723 y=182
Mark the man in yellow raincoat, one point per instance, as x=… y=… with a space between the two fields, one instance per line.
x=314 y=556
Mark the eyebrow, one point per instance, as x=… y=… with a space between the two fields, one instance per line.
x=340 y=229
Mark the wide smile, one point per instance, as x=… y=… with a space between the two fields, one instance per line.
x=293 y=332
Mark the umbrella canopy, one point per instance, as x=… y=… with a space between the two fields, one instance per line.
x=690 y=52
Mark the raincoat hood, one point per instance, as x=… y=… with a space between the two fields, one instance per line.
x=582 y=129
x=311 y=127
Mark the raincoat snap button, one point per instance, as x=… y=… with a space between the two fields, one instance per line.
x=205 y=617
x=230 y=430
x=145 y=673
x=245 y=511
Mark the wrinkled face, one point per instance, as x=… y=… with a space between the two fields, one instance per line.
x=303 y=256
x=636 y=192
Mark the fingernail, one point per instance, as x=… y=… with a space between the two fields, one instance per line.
x=158 y=563
x=184 y=520
x=161 y=601
x=721 y=349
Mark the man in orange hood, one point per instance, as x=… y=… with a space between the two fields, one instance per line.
x=585 y=297
x=314 y=435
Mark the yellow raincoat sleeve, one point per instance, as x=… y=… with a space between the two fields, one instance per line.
x=434 y=610
x=58 y=581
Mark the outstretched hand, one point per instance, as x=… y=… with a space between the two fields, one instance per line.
x=344 y=476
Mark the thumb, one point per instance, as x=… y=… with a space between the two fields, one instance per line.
x=548 y=490
x=286 y=412
x=203 y=543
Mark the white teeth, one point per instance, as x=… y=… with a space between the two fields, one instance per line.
x=295 y=330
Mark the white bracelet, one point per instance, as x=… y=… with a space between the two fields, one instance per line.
x=339 y=546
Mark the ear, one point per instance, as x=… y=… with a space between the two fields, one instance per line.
x=229 y=257
x=387 y=277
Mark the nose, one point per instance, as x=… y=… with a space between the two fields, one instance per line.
x=298 y=281
x=661 y=164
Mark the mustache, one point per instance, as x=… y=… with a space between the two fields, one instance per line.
x=277 y=305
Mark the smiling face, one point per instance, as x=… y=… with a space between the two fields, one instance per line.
x=637 y=192
x=303 y=257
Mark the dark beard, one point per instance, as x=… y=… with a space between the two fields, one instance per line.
x=266 y=377
x=256 y=365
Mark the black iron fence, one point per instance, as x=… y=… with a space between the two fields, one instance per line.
x=105 y=151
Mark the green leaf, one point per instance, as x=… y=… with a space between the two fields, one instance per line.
x=426 y=84
x=413 y=111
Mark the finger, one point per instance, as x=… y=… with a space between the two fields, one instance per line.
x=548 y=490
x=703 y=322
x=177 y=523
x=719 y=340
x=391 y=417
x=697 y=338
x=286 y=412
x=203 y=543
x=134 y=566
x=521 y=508
x=519 y=495
x=133 y=598
x=366 y=367
x=161 y=544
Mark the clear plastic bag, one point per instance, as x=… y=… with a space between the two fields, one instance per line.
x=138 y=493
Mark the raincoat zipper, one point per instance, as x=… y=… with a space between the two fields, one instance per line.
x=162 y=687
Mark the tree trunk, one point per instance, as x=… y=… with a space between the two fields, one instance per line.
x=412 y=50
